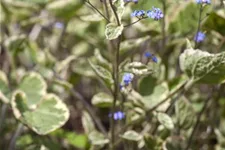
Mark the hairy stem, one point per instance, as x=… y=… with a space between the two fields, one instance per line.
x=115 y=77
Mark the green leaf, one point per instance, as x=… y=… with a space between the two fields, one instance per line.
x=4 y=87
x=92 y=18
x=97 y=138
x=119 y=6
x=64 y=8
x=47 y=115
x=165 y=120
x=215 y=22
x=113 y=31
x=102 y=100
x=87 y=123
x=131 y=136
x=177 y=82
x=185 y=114
x=34 y=86
x=64 y=64
x=153 y=143
x=182 y=23
x=14 y=42
x=203 y=67
x=159 y=93
x=147 y=85
x=102 y=73
x=137 y=68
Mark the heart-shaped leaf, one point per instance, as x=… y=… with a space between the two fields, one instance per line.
x=112 y=31
x=34 y=86
x=48 y=114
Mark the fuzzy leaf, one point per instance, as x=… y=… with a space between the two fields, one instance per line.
x=97 y=138
x=102 y=73
x=34 y=86
x=203 y=67
x=4 y=88
x=184 y=113
x=165 y=120
x=49 y=114
x=112 y=31
x=102 y=100
x=131 y=136
x=87 y=123
x=64 y=8
x=159 y=93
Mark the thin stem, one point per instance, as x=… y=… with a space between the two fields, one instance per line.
x=15 y=136
x=164 y=25
x=115 y=77
x=139 y=19
x=198 y=121
x=199 y=23
x=96 y=9
x=2 y=117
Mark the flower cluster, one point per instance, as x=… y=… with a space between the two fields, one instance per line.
x=199 y=37
x=203 y=1
x=127 y=78
x=138 y=13
x=155 y=13
x=149 y=55
x=119 y=115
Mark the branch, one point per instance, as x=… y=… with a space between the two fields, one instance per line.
x=87 y=1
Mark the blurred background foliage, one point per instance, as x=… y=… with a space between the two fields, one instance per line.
x=56 y=38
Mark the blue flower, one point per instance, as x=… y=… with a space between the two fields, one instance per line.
x=127 y=78
x=138 y=13
x=59 y=25
x=119 y=115
x=199 y=37
x=155 y=13
x=203 y=1
x=149 y=55
x=154 y=59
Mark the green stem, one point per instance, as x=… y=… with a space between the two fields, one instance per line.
x=87 y=1
x=115 y=77
x=15 y=136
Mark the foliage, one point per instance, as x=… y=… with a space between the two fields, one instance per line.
x=112 y=74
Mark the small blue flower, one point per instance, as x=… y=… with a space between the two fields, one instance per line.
x=199 y=37
x=135 y=1
x=138 y=13
x=154 y=59
x=59 y=25
x=203 y=1
x=155 y=13
x=148 y=54
x=127 y=78
x=119 y=115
